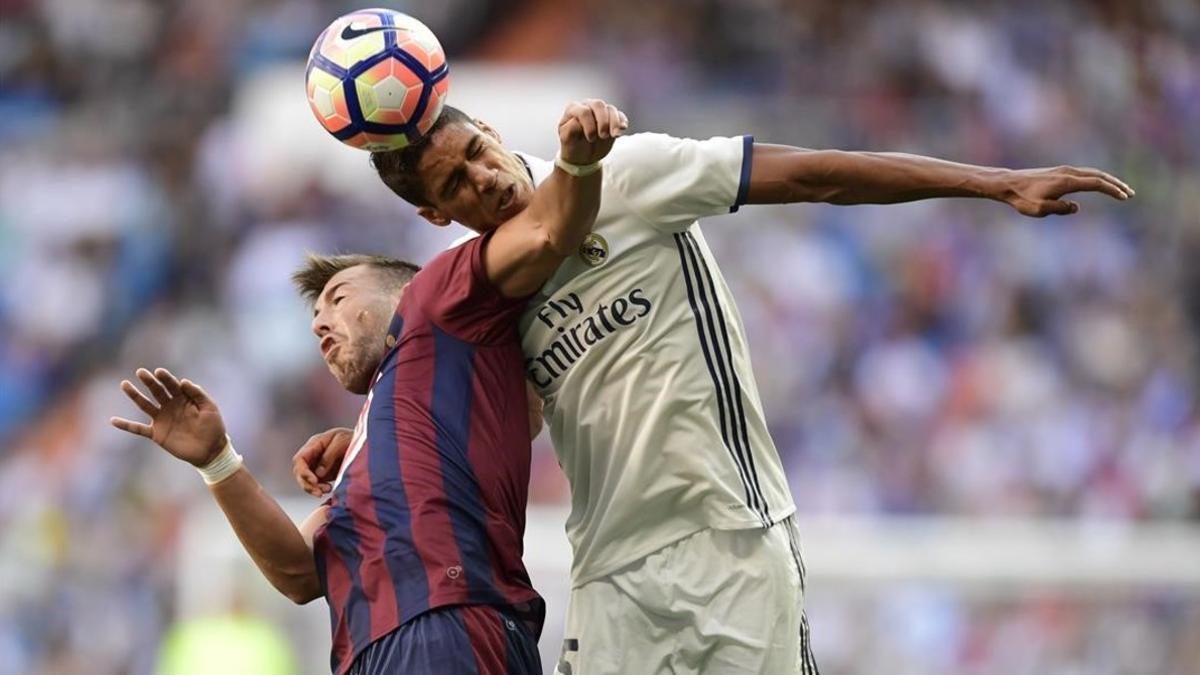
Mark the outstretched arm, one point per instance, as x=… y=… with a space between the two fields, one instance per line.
x=185 y=422
x=525 y=251
x=782 y=174
x=282 y=551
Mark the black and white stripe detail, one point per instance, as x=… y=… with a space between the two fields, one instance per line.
x=794 y=546
x=808 y=662
x=714 y=341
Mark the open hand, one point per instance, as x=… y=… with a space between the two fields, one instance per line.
x=587 y=130
x=184 y=421
x=317 y=462
x=1039 y=192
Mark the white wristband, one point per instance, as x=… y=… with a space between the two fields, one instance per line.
x=577 y=170
x=224 y=465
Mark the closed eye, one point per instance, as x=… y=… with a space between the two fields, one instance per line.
x=451 y=186
x=455 y=182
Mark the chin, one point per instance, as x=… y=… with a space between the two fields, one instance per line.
x=356 y=380
x=347 y=380
x=509 y=213
x=521 y=199
x=356 y=368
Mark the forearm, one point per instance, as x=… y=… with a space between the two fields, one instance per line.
x=839 y=177
x=564 y=208
x=270 y=537
x=525 y=251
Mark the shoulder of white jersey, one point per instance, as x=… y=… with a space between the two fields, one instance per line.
x=653 y=151
x=642 y=143
x=470 y=234
x=624 y=149
x=540 y=169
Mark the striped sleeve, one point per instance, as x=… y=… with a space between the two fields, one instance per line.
x=462 y=301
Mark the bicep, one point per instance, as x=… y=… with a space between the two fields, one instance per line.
x=517 y=259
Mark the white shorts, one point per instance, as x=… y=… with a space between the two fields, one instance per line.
x=718 y=601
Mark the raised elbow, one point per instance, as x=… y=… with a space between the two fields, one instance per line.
x=301 y=587
x=302 y=594
x=303 y=598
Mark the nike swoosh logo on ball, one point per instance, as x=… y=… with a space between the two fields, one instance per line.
x=350 y=32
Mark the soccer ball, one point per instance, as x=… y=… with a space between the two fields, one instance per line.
x=377 y=79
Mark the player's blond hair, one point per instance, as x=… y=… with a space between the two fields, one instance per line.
x=311 y=278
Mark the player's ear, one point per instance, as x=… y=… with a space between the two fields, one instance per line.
x=487 y=129
x=433 y=215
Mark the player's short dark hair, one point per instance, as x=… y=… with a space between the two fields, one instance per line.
x=312 y=277
x=398 y=168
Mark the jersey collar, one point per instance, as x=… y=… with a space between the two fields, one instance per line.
x=389 y=341
x=393 y=334
x=539 y=169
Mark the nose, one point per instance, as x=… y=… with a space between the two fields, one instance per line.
x=320 y=324
x=483 y=177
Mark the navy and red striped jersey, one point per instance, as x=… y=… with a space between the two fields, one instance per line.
x=429 y=509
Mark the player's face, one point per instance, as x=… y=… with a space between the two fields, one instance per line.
x=350 y=319
x=471 y=178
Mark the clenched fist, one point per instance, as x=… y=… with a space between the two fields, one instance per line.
x=587 y=130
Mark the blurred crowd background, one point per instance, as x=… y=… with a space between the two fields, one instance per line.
x=943 y=358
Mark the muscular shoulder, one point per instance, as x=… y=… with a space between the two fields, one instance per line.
x=453 y=291
x=449 y=270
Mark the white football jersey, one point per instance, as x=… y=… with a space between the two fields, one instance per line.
x=639 y=352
